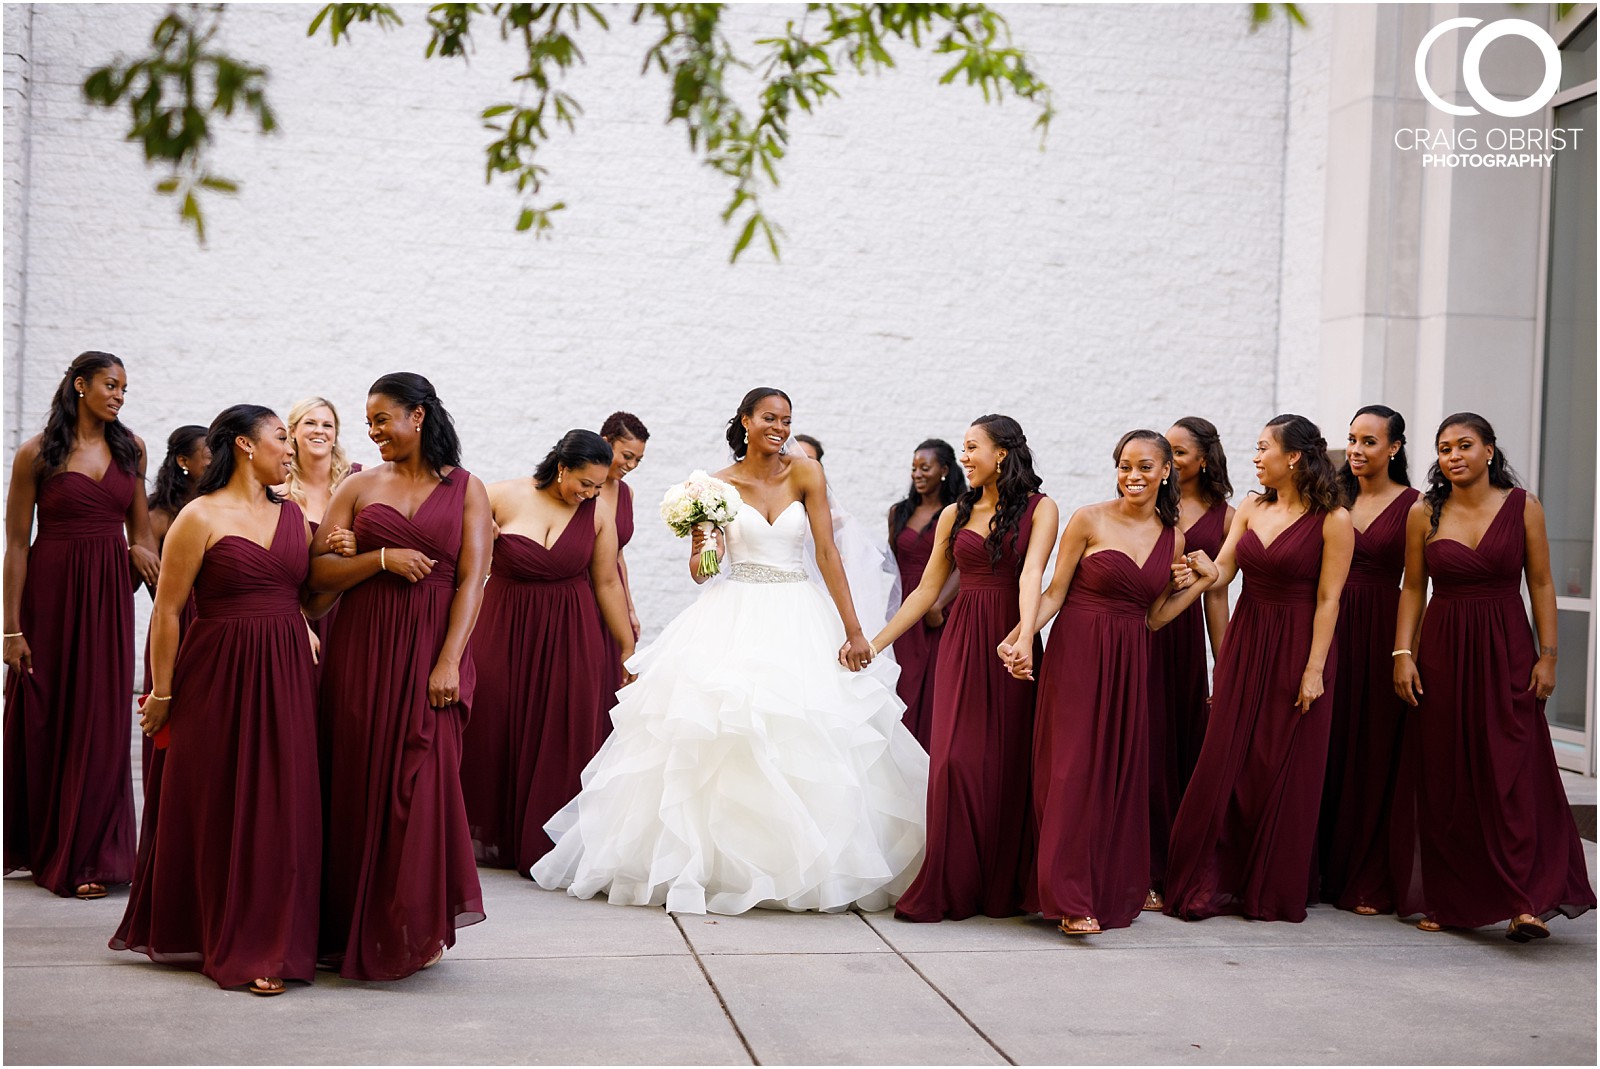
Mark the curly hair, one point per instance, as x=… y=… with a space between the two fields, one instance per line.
x=1016 y=483
x=1215 y=486
x=1500 y=474
x=294 y=482
x=61 y=425
x=174 y=488
x=1314 y=476
x=624 y=425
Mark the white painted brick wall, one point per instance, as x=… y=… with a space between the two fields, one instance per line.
x=938 y=265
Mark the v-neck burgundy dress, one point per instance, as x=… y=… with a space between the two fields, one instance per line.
x=542 y=706
x=399 y=876
x=230 y=857
x=916 y=651
x=1496 y=833
x=68 y=762
x=1245 y=834
x=1368 y=721
x=979 y=796
x=1091 y=789
x=1178 y=693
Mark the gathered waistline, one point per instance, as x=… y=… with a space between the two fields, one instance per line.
x=745 y=571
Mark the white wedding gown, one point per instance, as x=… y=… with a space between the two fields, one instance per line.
x=747 y=767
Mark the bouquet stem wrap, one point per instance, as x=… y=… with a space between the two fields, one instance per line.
x=708 y=563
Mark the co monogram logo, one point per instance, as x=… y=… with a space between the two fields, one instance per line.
x=1473 y=57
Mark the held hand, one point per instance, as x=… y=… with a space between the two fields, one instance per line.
x=1201 y=564
x=1310 y=690
x=934 y=618
x=18 y=655
x=147 y=564
x=1543 y=680
x=856 y=653
x=153 y=714
x=410 y=564
x=1407 y=683
x=342 y=542
x=627 y=676
x=444 y=685
x=1018 y=660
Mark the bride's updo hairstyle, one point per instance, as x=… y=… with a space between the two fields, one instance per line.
x=1016 y=482
x=1314 y=476
x=577 y=449
x=736 y=436
x=441 y=446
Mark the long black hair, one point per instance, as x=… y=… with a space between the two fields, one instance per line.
x=441 y=446
x=952 y=486
x=174 y=488
x=1314 y=476
x=624 y=425
x=1015 y=484
x=1399 y=467
x=576 y=448
x=1169 y=499
x=1500 y=474
x=736 y=437
x=1215 y=486
x=231 y=423
x=61 y=425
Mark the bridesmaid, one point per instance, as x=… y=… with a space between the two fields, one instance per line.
x=319 y=463
x=227 y=875
x=936 y=481
x=1091 y=795
x=399 y=877
x=809 y=446
x=180 y=472
x=1495 y=831
x=1364 y=747
x=1179 y=695
x=998 y=535
x=541 y=709
x=627 y=435
x=69 y=636
x=1245 y=835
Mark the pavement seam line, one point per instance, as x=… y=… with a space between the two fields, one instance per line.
x=715 y=990
x=970 y=1023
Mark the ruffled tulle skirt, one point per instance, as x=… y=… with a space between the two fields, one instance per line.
x=748 y=769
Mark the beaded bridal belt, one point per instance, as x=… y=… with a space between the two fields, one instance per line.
x=744 y=571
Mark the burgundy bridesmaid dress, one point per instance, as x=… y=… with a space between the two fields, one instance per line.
x=1496 y=833
x=613 y=652
x=1245 y=833
x=68 y=763
x=917 y=650
x=231 y=849
x=1368 y=721
x=1091 y=771
x=1178 y=694
x=979 y=824
x=398 y=872
x=541 y=710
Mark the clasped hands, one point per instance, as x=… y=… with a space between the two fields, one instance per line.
x=857 y=652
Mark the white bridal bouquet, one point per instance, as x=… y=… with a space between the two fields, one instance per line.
x=703 y=502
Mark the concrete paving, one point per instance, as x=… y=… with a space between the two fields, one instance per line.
x=548 y=979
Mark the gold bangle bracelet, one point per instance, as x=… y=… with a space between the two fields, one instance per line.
x=383 y=564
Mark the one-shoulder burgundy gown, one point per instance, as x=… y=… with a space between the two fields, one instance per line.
x=1245 y=835
x=231 y=851
x=68 y=763
x=541 y=709
x=1178 y=699
x=916 y=651
x=1368 y=721
x=1496 y=833
x=399 y=876
x=613 y=653
x=1091 y=790
x=979 y=813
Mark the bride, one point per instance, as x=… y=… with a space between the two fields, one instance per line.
x=747 y=767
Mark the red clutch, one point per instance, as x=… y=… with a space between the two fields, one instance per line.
x=162 y=736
